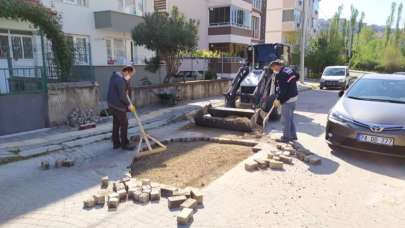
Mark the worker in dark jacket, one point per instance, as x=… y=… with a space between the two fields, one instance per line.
x=119 y=104
x=286 y=97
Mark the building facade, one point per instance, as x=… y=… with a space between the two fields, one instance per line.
x=284 y=20
x=228 y=26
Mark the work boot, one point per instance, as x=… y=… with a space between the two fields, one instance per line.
x=282 y=140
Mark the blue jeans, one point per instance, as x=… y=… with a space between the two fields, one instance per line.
x=287 y=120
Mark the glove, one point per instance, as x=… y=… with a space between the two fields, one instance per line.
x=131 y=108
x=276 y=103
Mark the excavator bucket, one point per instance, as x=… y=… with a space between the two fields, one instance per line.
x=244 y=120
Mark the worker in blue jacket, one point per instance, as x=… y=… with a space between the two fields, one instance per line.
x=118 y=98
x=286 y=97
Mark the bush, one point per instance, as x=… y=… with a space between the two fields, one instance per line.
x=210 y=75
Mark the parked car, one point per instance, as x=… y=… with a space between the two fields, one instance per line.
x=188 y=76
x=334 y=77
x=370 y=116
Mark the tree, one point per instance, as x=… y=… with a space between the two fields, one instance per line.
x=388 y=26
x=397 y=29
x=168 y=35
x=352 y=31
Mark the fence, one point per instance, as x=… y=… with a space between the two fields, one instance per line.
x=22 y=80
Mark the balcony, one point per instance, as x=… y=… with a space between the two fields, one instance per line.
x=116 y=21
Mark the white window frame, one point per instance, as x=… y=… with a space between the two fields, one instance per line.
x=10 y=45
x=136 y=7
x=87 y=42
x=76 y=2
x=115 y=58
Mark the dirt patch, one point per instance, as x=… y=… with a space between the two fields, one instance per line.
x=191 y=164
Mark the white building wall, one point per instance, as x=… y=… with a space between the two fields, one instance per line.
x=79 y=20
x=197 y=10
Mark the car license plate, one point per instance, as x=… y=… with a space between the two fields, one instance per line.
x=376 y=139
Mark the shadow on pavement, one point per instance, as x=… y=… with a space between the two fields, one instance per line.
x=326 y=100
x=384 y=165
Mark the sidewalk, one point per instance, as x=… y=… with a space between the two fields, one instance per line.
x=36 y=143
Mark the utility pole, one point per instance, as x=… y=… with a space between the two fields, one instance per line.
x=303 y=41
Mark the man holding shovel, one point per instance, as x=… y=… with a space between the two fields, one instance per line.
x=286 y=97
x=119 y=104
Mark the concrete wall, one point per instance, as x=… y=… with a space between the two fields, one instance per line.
x=185 y=91
x=63 y=98
x=23 y=113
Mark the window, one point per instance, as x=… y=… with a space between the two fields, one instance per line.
x=288 y=15
x=21 y=47
x=27 y=47
x=4 y=48
x=256 y=27
x=76 y=2
x=116 y=51
x=220 y=16
x=16 y=45
x=257 y=4
x=132 y=6
x=230 y=16
x=81 y=49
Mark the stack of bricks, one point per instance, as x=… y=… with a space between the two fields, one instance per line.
x=142 y=192
x=45 y=165
x=275 y=157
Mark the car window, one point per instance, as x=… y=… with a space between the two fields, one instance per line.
x=334 y=72
x=378 y=90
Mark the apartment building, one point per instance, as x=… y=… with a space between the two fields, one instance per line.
x=224 y=25
x=284 y=20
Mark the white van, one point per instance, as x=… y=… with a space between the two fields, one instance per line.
x=335 y=77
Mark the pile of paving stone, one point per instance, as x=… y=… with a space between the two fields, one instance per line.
x=144 y=191
x=80 y=117
x=45 y=165
x=276 y=157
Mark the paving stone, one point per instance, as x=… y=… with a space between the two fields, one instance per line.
x=155 y=185
x=58 y=163
x=113 y=203
x=270 y=156
x=167 y=190
x=286 y=153
x=285 y=159
x=176 y=201
x=143 y=198
x=113 y=195
x=68 y=163
x=45 y=165
x=145 y=181
x=131 y=192
x=99 y=198
x=155 y=194
x=251 y=166
x=104 y=182
x=189 y=203
x=197 y=195
x=301 y=156
x=118 y=186
x=123 y=195
x=182 y=192
x=263 y=163
x=185 y=216
x=125 y=179
x=136 y=195
x=275 y=164
x=313 y=159
x=89 y=203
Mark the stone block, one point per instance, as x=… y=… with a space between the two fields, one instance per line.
x=167 y=190
x=286 y=153
x=125 y=179
x=45 y=165
x=275 y=164
x=113 y=203
x=155 y=185
x=118 y=186
x=185 y=216
x=285 y=159
x=89 y=203
x=136 y=195
x=251 y=166
x=104 y=182
x=143 y=198
x=182 y=192
x=155 y=194
x=122 y=194
x=300 y=155
x=197 y=195
x=58 y=163
x=99 y=198
x=176 y=201
x=68 y=163
x=189 y=203
x=145 y=181
x=263 y=163
x=270 y=156
x=313 y=159
x=280 y=146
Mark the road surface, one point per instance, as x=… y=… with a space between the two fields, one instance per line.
x=349 y=189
